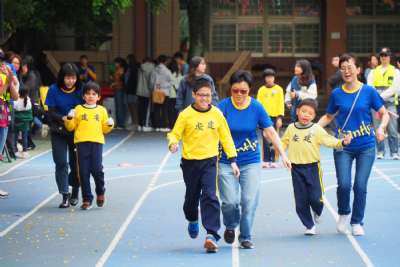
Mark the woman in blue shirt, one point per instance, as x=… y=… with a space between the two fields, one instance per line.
x=358 y=122
x=61 y=98
x=245 y=116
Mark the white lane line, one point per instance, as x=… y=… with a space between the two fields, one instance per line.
x=131 y=215
x=24 y=162
x=44 y=202
x=387 y=178
x=367 y=261
x=235 y=250
x=23 y=218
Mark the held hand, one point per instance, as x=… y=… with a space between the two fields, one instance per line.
x=173 y=148
x=71 y=114
x=286 y=162
x=235 y=169
x=380 y=134
x=347 y=139
x=110 y=121
x=292 y=95
x=279 y=123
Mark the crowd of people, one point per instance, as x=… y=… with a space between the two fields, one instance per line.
x=170 y=95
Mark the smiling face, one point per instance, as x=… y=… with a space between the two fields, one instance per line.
x=202 y=98
x=201 y=68
x=349 y=71
x=91 y=97
x=69 y=81
x=305 y=114
x=240 y=92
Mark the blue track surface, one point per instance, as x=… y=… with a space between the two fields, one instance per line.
x=144 y=210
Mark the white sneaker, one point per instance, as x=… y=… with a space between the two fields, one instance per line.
x=341 y=224
x=357 y=230
x=19 y=147
x=311 y=231
x=165 y=130
x=317 y=219
x=25 y=155
x=147 y=129
x=265 y=165
x=395 y=156
x=379 y=155
x=3 y=194
x=158 y=129
x=140 y=128
x=45 y=130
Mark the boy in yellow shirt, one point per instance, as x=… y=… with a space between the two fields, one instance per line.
x=201 y=127
x=271 y=96
x=303 y=140
x=90 y=122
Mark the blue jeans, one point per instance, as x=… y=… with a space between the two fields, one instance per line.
x=343 y=164
x=392 y=138
x=3 y=138
x=239 y=197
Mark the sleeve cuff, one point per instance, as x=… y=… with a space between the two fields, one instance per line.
x=232 y=160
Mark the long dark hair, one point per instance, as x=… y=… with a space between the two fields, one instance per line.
x=68 y=69
x=23 y=93
x=174 y=67
x=193 y=64
x=307 y=76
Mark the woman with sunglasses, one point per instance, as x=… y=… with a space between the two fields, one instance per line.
x=240 y=195
x=351 y=106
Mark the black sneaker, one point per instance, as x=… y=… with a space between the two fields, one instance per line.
x=74 y=196
x=100 y=201
x=65 y=201
x=247 y=244
x=229 y=236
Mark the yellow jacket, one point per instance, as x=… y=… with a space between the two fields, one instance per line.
x=272 y=100
x=201 y=132
x=90 y=124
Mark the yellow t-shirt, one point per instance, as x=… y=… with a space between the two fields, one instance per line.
x=303 y=144
x=90 y=124
x=201 y=132
x=272 y=99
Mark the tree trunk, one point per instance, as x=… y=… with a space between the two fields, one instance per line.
x=198 y=15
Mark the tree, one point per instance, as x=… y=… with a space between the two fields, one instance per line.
x=198 y=13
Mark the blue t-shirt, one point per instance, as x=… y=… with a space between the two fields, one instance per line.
x=243 y=125
x=360 y=121
x=62 y=101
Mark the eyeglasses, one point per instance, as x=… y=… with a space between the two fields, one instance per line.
x=348 y=69
x=241 y=91
x=204 y=95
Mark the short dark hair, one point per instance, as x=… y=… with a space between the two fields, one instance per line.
x=347 y=57
x=200 y=83
x=269 y=72
x=68 y=69
x=310 y=103
x=84 y=57
x=241 y=76
x=179 y=55
x=91 y=86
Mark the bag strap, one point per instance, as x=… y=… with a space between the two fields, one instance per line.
x=351 y=109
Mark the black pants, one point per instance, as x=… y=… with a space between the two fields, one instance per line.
x=200 y=178
x=268 y=148
x=308 y=189
x=161 y=114
x=143 y=104
x=90 y=161
x=172 y=112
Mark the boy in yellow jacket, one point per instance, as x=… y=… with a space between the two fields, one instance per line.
x=90 y=122
x=303 y=140
x=271 y=96
x=201 y=127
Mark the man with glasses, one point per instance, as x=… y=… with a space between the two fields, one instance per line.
x=386 y=79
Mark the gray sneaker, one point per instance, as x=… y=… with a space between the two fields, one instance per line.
x=395 y=156
x=3 y=194
x=379 y=155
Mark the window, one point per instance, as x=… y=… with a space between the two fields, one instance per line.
x=279 y=27
x=372 y=25
x=224 y=37
x=250 y=37
x=307 y=38
x=280 y=39
x=360 y=38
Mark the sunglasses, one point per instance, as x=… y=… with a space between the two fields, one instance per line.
x=240 y=91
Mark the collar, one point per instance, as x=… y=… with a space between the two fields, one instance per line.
x=248 y=101
x=89 y=106
x=68 y=91
x=352 y=90
x=202 y=111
